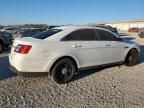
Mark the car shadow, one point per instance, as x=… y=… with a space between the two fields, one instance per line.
x=85 y=73
x=6 y=51
x=141 y=57
x=5 y=72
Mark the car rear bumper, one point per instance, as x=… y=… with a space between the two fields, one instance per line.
x=24 y=64
x=28 y=74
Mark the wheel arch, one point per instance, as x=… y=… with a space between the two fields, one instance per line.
x=74 y=59
x=127 y=54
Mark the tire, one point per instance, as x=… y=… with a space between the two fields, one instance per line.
x=1 y=48
x=131 y=58
x=63 y=71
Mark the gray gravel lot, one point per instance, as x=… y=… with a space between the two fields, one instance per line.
x=111 y=87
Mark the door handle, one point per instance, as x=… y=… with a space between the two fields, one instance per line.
x=126 y=47
x=79 y=45
x=76 y=46
x=108 y=44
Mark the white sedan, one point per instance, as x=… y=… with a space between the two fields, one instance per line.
x=62 y=51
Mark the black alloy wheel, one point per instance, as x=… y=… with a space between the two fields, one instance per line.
x=64 y=71
x=132 y=58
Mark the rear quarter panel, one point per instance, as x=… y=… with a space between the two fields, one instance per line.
x=49 y=52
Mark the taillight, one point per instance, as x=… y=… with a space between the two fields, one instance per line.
x=23 y=49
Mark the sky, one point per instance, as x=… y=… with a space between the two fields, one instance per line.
x=69 y=11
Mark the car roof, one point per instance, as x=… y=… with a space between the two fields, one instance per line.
x=31 y=28
x=68 y=29
x=74 y=27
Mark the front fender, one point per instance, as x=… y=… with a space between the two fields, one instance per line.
x=133 y=47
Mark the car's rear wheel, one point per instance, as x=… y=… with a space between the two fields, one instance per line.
x=131 y=58
x=1 y=47
x=63 y=71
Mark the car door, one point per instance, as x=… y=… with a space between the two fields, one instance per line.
x=112 y=49
x=85 y=46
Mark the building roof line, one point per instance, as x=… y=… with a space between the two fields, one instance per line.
x=122 y=21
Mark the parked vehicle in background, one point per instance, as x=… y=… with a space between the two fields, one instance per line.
x=1 y=27
x=141 y=32
x=11 y=30
x=134 y=29
x=62 y=51
x=29 y=32
x=7 y=33
x=5 y=40
x=109 y=28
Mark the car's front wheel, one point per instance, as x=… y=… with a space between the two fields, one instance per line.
x=131 y=58
x=63 y=71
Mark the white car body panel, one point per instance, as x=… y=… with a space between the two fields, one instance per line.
x=113 y=51
x=87 y=48
x=44 y=53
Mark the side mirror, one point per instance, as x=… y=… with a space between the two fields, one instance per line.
x=119 y=39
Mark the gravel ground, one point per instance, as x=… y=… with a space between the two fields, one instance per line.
x=112 y=87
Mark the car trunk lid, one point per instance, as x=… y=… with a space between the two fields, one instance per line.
x=23 y=45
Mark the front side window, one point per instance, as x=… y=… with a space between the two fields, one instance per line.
x=46 y=34
x=82 y=35
x=106 y=36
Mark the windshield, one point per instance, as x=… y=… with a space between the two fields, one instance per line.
x=46 y=34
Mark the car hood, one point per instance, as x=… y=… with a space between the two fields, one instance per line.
x=129 y=40
x=131 y=43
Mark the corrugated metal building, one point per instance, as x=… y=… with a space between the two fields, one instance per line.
x=125 y=25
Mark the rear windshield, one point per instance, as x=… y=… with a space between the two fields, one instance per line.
x=46 y=34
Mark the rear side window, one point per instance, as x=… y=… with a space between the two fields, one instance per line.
x=106 y=36
x=46 y=34
x=82 y=35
